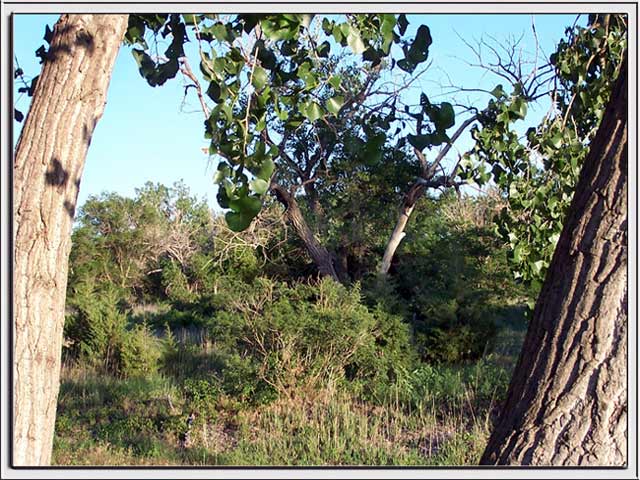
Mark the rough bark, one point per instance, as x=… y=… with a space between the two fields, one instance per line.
x=319 y=254
x=67 y=103
x=567 y=402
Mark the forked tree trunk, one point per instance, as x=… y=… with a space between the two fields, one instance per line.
x=417 y=189
x=567 y=402
x=67 y=103
x=319 y=254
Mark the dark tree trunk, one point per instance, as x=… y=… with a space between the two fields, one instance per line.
x=49 y=158
x=319 y=254
x=567 y=402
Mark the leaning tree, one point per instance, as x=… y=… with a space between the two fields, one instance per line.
x=567 y=402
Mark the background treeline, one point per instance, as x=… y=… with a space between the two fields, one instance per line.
x=177 y=326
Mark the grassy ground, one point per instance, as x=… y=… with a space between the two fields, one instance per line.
x=146 y=421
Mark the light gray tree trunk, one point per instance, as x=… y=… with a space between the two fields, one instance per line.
x=68 y=101
x=567 y=402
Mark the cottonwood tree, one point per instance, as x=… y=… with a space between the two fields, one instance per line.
x=68 y=101
x=537 y=172
x=287 y=108
x=567 y=402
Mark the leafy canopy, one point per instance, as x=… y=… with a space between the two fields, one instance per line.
x=269 y=79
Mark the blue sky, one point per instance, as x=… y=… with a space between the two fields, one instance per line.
x=148 y=133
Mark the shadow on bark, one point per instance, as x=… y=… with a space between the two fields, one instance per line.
x=83 y=39
x=57 y=176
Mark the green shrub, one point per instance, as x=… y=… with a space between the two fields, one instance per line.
x=140 y=352
x=96 y=329
x=307 y=335
x=97 y=332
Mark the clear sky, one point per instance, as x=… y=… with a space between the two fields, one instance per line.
x=150 y=133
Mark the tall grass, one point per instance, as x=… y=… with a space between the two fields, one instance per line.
x=105 y=420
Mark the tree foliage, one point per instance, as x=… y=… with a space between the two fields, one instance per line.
x=279 y=87
x=538 y=173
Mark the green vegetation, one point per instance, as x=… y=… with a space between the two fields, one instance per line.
x=190 y=344
x=200 y=339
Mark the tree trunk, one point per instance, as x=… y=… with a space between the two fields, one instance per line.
x=67 y=103
x=567 y=402
x=320 y=255
x=408 y=204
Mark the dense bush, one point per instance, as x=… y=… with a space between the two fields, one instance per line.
x=98 y=332
x=452 y=278
x=312 y=335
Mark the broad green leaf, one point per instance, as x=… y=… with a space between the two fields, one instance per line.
x=556 y=140
x=260 y=78
x=261 y=124
x=420 y=141
x=335 y=81
x=403 y=23
x=446 y=116
x=312 y=111
x=419 y=50
x=354 y=41
x=245 y=204
x=280 y=27
x=219 y=31
x=498 y=92
x=305 y=73
x=238 y=221
x=334 y=104
x=266 y=169
x=258 y=186
x=214 y=91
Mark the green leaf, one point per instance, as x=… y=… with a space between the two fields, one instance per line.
x=214 y=91
x=238 y=221
x=305 y=73
x=260 y=78
x=311 y=111
x=266 y=56
x=427 y=140
x=446 y=117
x=219 y=31
x=324 y=49
x=518 y=254
x=334 y=104
x=280 y=27
x=556 y=140
x=335 y=81
x=498 y=92
x=354 y=41
x=258 y=186
x=519 y=107
x=420 y=141
x=406 y=65
x=419 y=50
x=538 y=266
x=246 y=204
x=266 y=169
x=403 y=23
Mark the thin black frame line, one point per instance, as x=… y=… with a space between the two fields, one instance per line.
x=10 y=245
x=572 y=12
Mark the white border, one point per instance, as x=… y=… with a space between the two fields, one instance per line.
x=30 y=6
